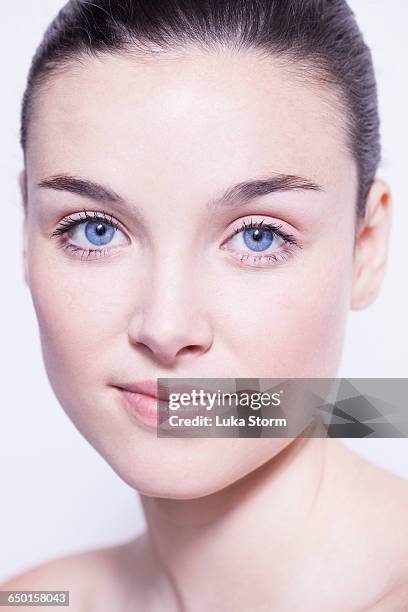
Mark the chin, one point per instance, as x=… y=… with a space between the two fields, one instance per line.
x=174 y=486
x=191 y=468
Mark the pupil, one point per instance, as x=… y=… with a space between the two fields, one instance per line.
x=100 y=229
x=257 y=235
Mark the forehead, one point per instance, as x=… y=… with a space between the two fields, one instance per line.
x=199 y=115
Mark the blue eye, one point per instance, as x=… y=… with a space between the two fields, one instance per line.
x=99 y=233
x=90 y=234
x=258 y=239
x=96 y=233
x=259 y=243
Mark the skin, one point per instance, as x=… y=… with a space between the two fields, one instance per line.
x=173 y=299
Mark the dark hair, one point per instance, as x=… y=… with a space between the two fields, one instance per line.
x=321 y=36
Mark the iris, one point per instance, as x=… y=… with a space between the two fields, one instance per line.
x=258 y=239
x=99 y=233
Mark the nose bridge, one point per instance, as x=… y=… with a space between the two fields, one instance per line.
x=173 y=285
x=172 y=314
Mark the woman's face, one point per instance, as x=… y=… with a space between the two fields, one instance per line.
x=183 y=288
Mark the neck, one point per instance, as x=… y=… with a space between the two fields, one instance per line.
x=255 y=529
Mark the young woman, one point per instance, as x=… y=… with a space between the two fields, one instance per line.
x=201 y=201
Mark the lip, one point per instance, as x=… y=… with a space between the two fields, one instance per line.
x=145 y=402
x=143 y=407
x=151 y=389
x=144 y=387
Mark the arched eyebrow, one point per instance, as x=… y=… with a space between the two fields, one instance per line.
x=249 y=190
x=234 y=196
x=81 y=187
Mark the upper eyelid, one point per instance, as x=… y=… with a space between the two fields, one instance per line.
x=70 y=221
x=273 y=226
x=261 y=219
x=92 y=215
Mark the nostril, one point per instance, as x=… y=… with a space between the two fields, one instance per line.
x=191 y=348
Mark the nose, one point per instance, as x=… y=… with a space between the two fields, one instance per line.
x=171 y=319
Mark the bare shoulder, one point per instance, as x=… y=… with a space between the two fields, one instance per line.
x=87 y=576
x=371 y=531
x=54 y=575
x=391 y=526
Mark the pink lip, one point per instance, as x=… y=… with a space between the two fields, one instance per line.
x=151 y=388
x=141 y=400
x=145 y=387
x=143 y=407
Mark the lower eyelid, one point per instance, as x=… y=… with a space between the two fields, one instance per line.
x=275 y=258
x=91 y=252
x=75 y=252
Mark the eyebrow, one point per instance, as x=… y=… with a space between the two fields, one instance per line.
x=236 y=195
x=81 y=187
x=249 y=190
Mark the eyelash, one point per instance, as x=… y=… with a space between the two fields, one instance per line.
x=69 y=223
x=290 y=243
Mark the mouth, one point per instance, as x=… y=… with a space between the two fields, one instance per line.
x=149 y=403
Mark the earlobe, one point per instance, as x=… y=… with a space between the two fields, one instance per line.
x=371 y=249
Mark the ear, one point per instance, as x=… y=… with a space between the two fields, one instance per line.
x=371 y=246
x=22 y=179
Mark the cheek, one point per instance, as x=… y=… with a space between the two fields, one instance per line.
x=73 y=321
x=291 y=322
x=80 y=317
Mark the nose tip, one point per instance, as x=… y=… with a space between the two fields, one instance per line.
x=168 y=352
x=169 y=340
x=171 y=318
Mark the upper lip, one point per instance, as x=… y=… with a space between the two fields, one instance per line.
x=146 y=387
x=151 y=388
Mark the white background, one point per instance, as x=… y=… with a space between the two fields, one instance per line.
x=57 y=494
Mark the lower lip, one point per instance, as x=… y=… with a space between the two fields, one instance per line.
x=143 y=407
